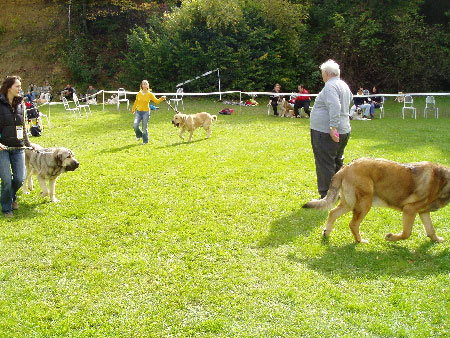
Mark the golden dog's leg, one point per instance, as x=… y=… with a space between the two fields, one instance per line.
x=333 y=216
x=43 y=185
x=408 y=221
x=429 y=229
x=359 y=212
x=181 y=134
x=52 y=188
x=190 y=136
x=208 y=132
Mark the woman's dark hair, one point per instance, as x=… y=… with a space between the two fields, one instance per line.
x=8 y=83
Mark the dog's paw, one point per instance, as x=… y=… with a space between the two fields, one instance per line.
x=26 y=192
x=43 y=194
x=438 y=239
x=54 y=200
x=363 y=241
x=325 y=233
x=390 y=237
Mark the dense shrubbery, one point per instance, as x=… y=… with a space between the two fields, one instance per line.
x=395 y=45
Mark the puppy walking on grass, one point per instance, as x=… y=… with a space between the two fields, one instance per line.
x=413 y=188
x=191 y=122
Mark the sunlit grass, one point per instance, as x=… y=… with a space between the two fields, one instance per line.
x=207 y=239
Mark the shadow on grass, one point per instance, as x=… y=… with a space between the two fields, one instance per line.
x=117 y=149
x=288 y=228
x=350 y=262
x=28 y=210
x=176 y=144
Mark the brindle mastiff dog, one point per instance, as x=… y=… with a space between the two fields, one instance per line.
x=191 y=122
x=413 y=188
x=47 y=164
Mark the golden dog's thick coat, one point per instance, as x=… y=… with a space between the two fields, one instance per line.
x=413 y=188
x=47 y=164
x=191 y=122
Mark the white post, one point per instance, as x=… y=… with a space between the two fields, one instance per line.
x=240 y=105
x=220 y=93
x=103 y=99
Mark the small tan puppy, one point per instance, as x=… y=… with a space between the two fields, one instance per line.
x=191 y=122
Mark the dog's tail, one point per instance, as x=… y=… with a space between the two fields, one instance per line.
x=214 y=118
x=332 y=194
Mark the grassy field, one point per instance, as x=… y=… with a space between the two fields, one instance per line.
x=208 y=239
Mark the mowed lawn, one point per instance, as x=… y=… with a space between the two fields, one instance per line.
x=208 y=239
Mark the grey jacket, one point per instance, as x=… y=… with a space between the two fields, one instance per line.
x=331 y=108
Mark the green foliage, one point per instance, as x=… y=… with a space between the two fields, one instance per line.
x=395 y=45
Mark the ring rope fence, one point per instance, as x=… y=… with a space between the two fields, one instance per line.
x=235 y=92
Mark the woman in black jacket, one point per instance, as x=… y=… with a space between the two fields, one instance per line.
x=13 y=137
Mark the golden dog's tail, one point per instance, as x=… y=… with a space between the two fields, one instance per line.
x=332 y=194
x=214 y=118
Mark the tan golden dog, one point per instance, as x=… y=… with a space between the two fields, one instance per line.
x=47 y=164
x=191 y=122
x=285 y=108
x=413 y=188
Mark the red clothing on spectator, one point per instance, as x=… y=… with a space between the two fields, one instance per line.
x=302 y=98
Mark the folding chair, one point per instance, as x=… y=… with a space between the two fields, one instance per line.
x=79 y=106
x=408 y=104
x=382 y=107
x=178 y=98
x=430 y=103
x=122 y=97
x=68 y=109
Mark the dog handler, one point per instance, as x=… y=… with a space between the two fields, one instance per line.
x=141 y=108
x=13 y=135
x=330 y=125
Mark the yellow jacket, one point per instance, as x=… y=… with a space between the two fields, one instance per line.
x=142 y=101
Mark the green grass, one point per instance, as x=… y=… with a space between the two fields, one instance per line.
x=208 y=239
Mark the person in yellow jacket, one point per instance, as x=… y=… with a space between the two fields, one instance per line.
x=142 y=110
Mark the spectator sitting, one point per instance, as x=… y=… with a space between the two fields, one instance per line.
x=302 y=101
x=90 y=93
x=68 y=92
x=375 y=103
x=46 y=93
x=275 y=98
x=360 y=103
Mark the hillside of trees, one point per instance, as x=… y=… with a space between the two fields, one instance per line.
x=397 y=45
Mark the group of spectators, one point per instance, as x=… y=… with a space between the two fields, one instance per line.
x=298 y=102
x=45 y=93
x=364 y=103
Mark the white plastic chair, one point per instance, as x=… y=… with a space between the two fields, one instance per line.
x=122 y=97
x=382 y=107
x=408 y=104
x=79 y=106
x=430 y=103
x=68 y=109
x=178 y=98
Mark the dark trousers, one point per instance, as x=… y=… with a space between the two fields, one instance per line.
x=329 y=157
x=299 y=104
x=274 y=107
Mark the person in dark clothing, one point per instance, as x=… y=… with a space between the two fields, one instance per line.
x=275 y=98
x=68 y=92
x=302 y=101
x=13 y=137
x=375 y=103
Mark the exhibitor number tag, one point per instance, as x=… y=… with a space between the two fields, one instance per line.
x=19 y=132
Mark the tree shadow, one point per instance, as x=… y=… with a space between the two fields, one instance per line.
x=287 y=229
x=352 y=261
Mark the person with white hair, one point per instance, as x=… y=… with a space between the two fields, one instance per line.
x=330 y=125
